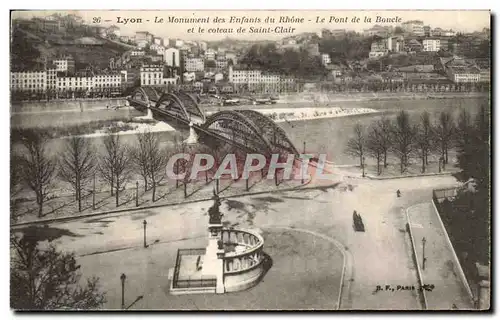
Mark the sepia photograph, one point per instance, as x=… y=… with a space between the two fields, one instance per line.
x=263 y=160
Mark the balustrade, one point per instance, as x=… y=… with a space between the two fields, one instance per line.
x=252 y=255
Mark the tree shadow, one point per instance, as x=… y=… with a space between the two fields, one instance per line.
x=254 y=183
x=196 y=190
x=161 y=196
x=227 y=187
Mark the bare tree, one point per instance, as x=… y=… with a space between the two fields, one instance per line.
x=219 y=153
x=444 y=132
x=16 y=179
x=375 y=146
x=157 y=161
x=404 y=137
x=424 y=138
x=15 y=174
x=181 y=164
x=356 y=145
x=77 y=165
x=139 y=157
x=384 y=131
x=37 y=167
x=114 y=164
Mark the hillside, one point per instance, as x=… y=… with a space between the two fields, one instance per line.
x=30 y=48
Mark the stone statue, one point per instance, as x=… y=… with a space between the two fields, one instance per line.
x=214 y=212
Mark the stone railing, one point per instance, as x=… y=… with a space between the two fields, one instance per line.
x=242 y=269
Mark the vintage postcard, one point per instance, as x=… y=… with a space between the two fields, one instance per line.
x=250 y=160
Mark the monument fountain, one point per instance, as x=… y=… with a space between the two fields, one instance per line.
x=232 y=260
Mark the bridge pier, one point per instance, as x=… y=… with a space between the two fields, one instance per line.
x=149 y=115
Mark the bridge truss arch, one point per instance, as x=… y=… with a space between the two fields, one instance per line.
x=251 y=129
x=147 y=95
x=271 y=131
x=182 y=104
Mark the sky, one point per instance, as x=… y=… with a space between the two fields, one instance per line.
x=463 y=21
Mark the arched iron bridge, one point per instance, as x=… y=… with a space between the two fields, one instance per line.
x=248 y=130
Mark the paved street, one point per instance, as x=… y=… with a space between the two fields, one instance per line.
x=302 y=263
x=440 y=269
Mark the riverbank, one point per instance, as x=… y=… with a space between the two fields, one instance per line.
x=67 y=105
x=322 y=97
x=141 y=124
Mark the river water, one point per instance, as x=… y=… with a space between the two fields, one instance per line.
x=326 y=135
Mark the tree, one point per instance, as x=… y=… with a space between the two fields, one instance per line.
x=139 y=157
x=384 y=131
x=375 y=145
x=77 y=165
x=181 y=164
x=444 y=131
x=16 y=176
x=404 y=136
x=356 y=145
x=157 y=161
x=114 y=164
x=16 y=179
x=424 y=137
x=48 y=279
x=464 y=135
x=37 y=167
x=474 y=149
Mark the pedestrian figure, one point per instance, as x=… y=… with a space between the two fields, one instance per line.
x=398 y=193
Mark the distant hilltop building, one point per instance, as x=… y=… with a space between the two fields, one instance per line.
x=377 y=30
x=326 y=33
x=431 y=45
x=383 y=46
x=438 y=32
x=143 y=36
x=414 y=27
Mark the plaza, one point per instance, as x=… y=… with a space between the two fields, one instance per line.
x=315 y=258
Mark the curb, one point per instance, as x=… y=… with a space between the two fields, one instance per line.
x=419 y=272
x=411 y=176
x=338 y=245
x=461 y=273
x=102 y=213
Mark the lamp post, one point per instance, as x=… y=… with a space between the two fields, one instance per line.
x=122 y=278
x=423 y=253
x=137 y=193
x=145 y=223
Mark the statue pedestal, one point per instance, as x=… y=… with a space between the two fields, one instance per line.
x=213 y=263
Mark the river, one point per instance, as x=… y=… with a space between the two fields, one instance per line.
x=326 y=135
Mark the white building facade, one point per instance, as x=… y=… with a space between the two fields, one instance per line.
x=431 y=45
x=194 y=64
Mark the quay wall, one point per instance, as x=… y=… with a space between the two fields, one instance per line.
x=64 y=113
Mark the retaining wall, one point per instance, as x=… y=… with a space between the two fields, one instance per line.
x=64 y=113
x=66 y=105
x=458 y=266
